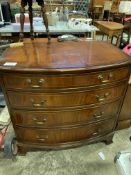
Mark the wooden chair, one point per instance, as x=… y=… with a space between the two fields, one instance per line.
x=119 y=19
x=121 y=40
x=127 y=30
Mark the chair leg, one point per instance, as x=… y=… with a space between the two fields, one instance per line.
x=118 y=40
x=31 y=22
x=45 y=20
x=129 y=36
x=22 y=20
x=121 y=40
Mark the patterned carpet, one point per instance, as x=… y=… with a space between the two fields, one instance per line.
x=79 y=161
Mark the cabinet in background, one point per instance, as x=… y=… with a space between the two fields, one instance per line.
x=125 y=115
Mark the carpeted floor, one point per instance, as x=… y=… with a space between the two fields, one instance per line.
x=78 y=161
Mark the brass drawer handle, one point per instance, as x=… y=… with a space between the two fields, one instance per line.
x=40 y=83
x=41 y=138
x=41 y=104
x=101 y=78
x=98 y=116
x=39 y=122
x=101 y=99
x=96 y=133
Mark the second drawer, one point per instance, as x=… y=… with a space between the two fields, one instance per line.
x=64 y=99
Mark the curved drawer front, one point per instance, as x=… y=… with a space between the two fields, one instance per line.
x=61 y=100
x=29 y=82
x=64 y=118
x=55 y=136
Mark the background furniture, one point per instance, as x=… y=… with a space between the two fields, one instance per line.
x=110 y=29
x=61 y=28
x=125 y=115
x=126 y=34
x=107 y=9
x=64 y=94
x=29 y=3
x=81 y=6
x=96 y=8
x=125 y=7
x=115 y=6
x=71 y=5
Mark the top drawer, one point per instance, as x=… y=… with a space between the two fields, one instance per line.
x=30 y=81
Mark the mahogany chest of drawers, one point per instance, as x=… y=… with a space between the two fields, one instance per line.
x=64 y=94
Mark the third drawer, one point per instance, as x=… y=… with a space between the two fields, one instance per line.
x=54 y=119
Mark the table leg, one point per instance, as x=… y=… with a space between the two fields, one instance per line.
x=93 y=35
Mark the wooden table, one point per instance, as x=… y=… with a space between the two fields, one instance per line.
x=110 y=28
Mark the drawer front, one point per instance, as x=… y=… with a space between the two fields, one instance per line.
x=64 y=118
x=65 y=135
x=28 y=82
x=61 y=100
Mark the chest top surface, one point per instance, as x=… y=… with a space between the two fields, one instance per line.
x=39 y=55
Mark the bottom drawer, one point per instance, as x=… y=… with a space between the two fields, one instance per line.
x=65 y=135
